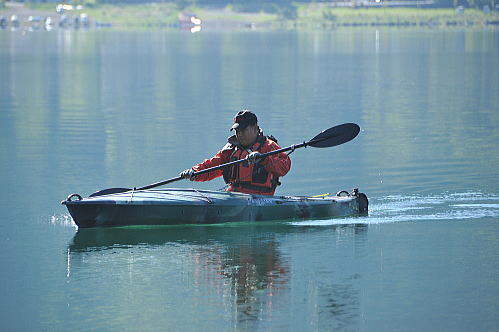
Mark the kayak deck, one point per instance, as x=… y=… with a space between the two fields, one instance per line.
x=190 y=206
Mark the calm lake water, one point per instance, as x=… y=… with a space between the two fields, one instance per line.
x=82 y=111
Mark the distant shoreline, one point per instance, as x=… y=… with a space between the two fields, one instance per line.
x=309 y=16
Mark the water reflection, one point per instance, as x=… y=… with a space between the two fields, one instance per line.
x=256 y=271
x=250 y=268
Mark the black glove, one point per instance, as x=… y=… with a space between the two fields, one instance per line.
x=254 y=157
x=187 y=174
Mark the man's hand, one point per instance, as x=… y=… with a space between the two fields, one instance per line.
x=254 y=157
x=187 y=174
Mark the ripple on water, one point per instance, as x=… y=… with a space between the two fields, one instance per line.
x=62 y=220
x=399 y=208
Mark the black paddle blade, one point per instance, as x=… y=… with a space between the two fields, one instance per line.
x=335 y=136
x=109 y=191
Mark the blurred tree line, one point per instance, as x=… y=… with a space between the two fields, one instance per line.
x=287 y=7
x=277 y=5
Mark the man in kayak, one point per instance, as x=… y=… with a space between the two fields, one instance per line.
x=257 y=175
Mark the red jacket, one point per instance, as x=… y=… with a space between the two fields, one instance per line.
x=242 y=177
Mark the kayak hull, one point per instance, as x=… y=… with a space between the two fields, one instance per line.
x=190 y=206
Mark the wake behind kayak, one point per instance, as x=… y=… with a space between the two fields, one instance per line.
x=191 y=206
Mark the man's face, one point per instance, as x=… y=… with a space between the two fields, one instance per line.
x=247 y=135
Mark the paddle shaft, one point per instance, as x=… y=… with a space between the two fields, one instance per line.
x=327 y=138
x=235 y=162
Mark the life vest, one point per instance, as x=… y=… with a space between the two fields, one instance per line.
x=254 y=178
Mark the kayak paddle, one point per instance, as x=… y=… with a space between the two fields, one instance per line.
x=327 y=138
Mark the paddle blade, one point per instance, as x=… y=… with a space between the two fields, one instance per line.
x=109 y=191
x=335 y=136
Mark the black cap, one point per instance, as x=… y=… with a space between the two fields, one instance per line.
x=243 y=119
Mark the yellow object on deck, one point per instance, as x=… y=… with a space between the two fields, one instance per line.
x=322 y=195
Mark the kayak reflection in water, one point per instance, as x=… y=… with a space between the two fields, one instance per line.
x=257 y=175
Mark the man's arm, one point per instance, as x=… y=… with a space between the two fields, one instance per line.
x=278 y=164
x=220 y=158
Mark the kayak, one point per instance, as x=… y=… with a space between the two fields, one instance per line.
x=190 y=206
